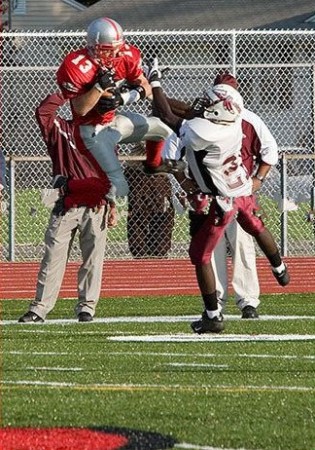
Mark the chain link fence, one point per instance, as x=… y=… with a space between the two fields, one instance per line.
x=277 y=80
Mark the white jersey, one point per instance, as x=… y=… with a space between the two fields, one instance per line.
x=172 y=147
x=213 y=152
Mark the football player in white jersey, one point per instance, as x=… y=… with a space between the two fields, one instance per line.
x=259 y=148
x=213 y=141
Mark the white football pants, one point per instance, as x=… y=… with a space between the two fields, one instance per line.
x=244 y=279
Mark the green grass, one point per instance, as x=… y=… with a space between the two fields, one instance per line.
x=232 y=395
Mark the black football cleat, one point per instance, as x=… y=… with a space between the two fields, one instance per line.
x=30 y=317
x=206 y=325
x=283 y=277
x=85 y=317
x=249 y=312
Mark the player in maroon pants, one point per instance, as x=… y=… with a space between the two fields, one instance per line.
x=213 y=141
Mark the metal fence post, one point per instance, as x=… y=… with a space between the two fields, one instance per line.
x=12 y=209
x=284 y=214
x=233 y=36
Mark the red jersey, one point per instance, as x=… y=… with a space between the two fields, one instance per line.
x=78 y=73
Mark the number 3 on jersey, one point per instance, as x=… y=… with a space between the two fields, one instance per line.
x=84 y=66
x=233 y=171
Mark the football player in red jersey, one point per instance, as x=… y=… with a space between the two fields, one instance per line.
x=84 y=75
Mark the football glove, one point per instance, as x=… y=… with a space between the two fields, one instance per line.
x=105 y=80
x=61 y=182
x=153 y=73
x=106 y=104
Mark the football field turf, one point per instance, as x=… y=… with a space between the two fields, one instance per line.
x=140 y=372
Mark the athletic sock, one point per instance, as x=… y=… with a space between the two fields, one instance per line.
x=279 y=269
x=210 y=301
x=212 y=314
x=154 y=153
x=275 y=260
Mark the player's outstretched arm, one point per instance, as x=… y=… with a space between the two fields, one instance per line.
x=161 y=104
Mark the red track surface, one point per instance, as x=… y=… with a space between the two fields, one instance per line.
x=148 y=277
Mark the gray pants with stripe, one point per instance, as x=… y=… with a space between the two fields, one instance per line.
x=127 y=127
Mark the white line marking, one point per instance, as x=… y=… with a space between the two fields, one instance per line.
x=213 y=338
x=184 y=445
x=171 y=354
x=218 y=366
x=39 y=330
x=56 y=369
x=130 y=386
x=210 y=355
x=147 y=319
x=15 y=352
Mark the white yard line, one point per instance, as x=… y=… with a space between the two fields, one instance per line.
x=170 y=354
x=211 y=355
x=186 y=446
x=21 y=352
x=55 y=369
x=149 y=319
x=161 y=387
x=180 y=337
x=212 y=366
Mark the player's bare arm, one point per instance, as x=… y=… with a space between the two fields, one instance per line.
x=103 y=87
x=85 y=102
x=260 y=175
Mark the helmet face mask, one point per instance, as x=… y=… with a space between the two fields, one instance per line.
x=221 y=104
x=105 y=54
x=104 y=40
x=199 y=106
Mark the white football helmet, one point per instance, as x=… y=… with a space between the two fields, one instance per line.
x=223 y=104
x=104 y=40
